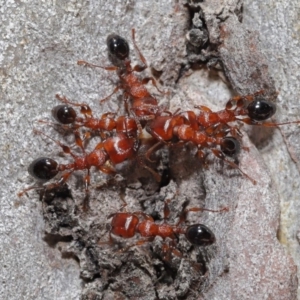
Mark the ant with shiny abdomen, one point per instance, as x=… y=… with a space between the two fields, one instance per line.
x=250 y=109
x=183 y=128
x=66 y=115
x=143 y=104
x=113 y=150
x=127 y=225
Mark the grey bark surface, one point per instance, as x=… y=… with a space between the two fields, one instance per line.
x=49 y=250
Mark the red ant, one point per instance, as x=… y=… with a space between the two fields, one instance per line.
x=183 y=128
x=127 y=225
x=114 y=150
x=250 y=109
x=144 y=105
x=66 y=115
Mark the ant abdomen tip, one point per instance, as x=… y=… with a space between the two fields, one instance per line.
x=117 y=46
x=230 y=146
x=200 y=235
x=64 y=114
x=261 y=109
x=43 y=168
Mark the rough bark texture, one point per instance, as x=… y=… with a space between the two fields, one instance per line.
x=50 y=249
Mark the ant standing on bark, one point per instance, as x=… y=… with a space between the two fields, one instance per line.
x=110 y=152
x=143 y=104
x=184 y=128
x=127 y=225
x=250 y=109
x=106 y=124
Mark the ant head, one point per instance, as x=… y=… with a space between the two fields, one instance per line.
x=43 y=168
x=261 y=109
x=117 y=46
x=230 y=146
x=200 y=235
x=64 y=114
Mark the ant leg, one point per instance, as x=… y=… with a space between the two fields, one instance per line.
x=79 y=140
x=87 y=64
x=64 y=178
x=138 y=123
x=138 y=243
x=154 y=173
x=220 y=155
x=86 y=200
x=155 y=147
x=166 y=209
x=236 y=132
x=185 y=211
x=167 y=249
x=153 y=81
x=202 y=157
x=239 y=100
x=107 y=97
x=126 y=100
x=203 y=108
x=166 y=206
x=251 y=97
x=54 y=125
x=109 y=242
x=34 y=187
x=139 y=68
x=235 y=102
x=142 y=58
x=266 y=124
x=61 y=181
x=195 y=209
x=87 y=181
x=217 y=130
x=107 y=170
x=65 y=148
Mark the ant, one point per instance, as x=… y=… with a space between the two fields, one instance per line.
x=112 y=151
x=66 y=115
x=127 y=225
x=250 y=109
x=143 y=104
x=183 y=128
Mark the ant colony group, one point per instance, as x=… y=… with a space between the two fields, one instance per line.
x=123 y=136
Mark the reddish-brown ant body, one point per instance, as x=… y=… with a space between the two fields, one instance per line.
x=143 y=104
x=114 y=150
x=250 y=109
x=66 y=115
x=183 y=128
x=127 y=225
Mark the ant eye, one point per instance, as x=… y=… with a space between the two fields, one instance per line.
x=117 y=46
x=230 y=146
x=64 y=114
x=200 y=235
x=260 y=110
x=43 y=168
